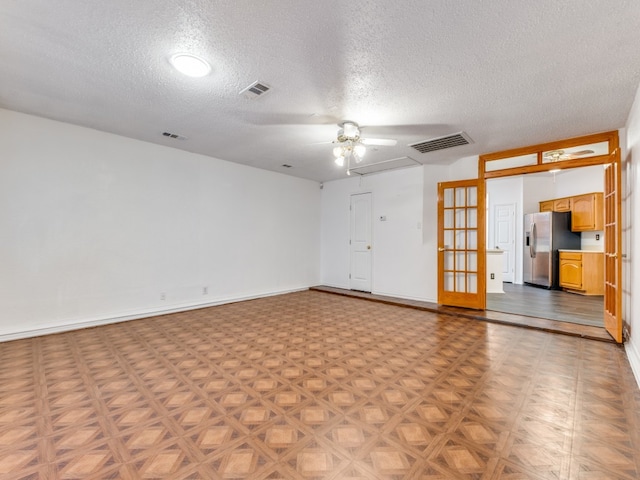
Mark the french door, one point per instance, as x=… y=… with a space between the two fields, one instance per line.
x=612 y=249
x=461 y=229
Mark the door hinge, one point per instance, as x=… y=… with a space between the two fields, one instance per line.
x=349 y=241
x=349 y=276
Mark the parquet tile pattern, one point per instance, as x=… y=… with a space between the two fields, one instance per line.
x=312 y=385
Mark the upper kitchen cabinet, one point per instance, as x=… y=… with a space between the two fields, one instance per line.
x=587 y=212
x=557 y=205
x=546 y=206
x=562 y=204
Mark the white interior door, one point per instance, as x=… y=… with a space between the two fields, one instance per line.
x=360 y=242
x=505 y=238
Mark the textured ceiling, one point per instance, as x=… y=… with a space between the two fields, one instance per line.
x=508 y=72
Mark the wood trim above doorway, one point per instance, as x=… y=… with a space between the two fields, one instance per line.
x=540 y=166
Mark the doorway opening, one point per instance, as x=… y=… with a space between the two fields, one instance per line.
x=598 y=211
x=505 y=232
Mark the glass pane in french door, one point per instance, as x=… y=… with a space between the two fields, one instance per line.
x=459 y=266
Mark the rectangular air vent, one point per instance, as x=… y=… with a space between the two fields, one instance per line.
x=173 y=135
x=440 y=143
x=386 y=165
x=256 y=89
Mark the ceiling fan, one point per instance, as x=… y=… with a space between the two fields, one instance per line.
x=556 y=155
x=351 y=146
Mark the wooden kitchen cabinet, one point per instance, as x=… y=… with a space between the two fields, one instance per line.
x=587 y=212
x=562 y=204
x=556 y=205
x=546 y=206
x=582 y=272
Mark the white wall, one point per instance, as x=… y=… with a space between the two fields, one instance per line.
x=631 y=239
x=576 y=181
x=405 y=245
x=401 y=263
x=96 y=228
x=536 y=188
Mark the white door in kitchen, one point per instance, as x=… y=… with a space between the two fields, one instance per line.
x=505 y=238
x=360 y=243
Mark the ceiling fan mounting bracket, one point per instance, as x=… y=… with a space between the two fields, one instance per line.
x=349 y=131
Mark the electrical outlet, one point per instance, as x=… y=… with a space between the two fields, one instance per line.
x=205 y=290
x=597 y=236
x=493 y=276
x=163 y=296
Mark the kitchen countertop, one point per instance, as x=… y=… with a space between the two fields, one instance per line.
x=580 y=251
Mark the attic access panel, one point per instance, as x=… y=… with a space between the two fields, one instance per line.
x=392 y=164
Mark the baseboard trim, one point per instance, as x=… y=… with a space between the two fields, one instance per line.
x=382 y=293
x=634 y=359
x=36 y=332
x=404 y=297
x=333 y=285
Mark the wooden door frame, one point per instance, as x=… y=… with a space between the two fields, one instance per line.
x=540 y=166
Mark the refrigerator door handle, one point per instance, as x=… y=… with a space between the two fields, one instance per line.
x=533 y=244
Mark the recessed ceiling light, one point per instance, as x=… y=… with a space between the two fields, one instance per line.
x=190 y=65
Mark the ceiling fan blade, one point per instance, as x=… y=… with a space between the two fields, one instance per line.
x=378 y=141
x=274 y=118
x=580 y=153
x=321 y=143
x=561 y=155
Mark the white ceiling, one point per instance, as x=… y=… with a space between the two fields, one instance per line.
x=507 y=72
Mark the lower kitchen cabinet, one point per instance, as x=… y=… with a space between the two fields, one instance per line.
x=582 y=272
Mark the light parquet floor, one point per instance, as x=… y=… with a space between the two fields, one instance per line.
x=313 y=385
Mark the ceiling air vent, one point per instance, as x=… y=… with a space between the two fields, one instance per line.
x=173 y=135
x=256 y=89
x=440 y=143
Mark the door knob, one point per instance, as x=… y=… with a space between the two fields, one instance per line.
x=441 y=249
x=368 y=247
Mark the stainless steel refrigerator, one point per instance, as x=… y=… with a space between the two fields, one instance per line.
x=544 y=234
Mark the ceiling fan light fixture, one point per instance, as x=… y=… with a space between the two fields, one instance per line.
x=360 y=150
x=337 y=152
x=340 y=161
x=190 y=65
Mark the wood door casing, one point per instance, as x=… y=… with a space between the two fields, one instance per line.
x=461 y=244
